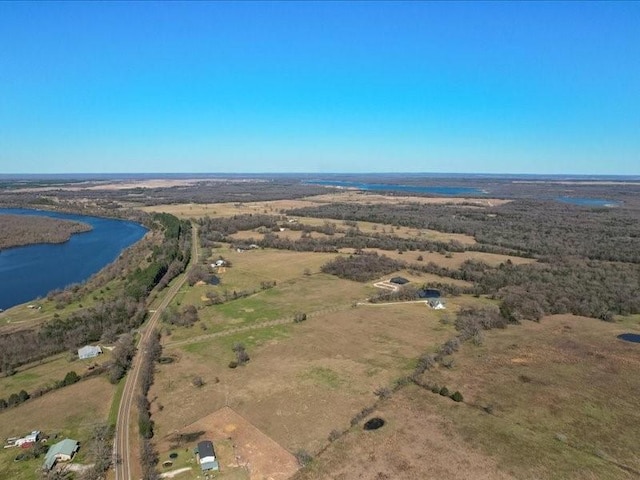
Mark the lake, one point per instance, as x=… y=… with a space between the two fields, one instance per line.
x=32 y=271
x=389 y=187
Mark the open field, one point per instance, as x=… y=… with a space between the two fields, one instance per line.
x=69 y=412
x=304 y=379
x=415 y=443
x=451 y=260
x=563 y=393
x=47 y=372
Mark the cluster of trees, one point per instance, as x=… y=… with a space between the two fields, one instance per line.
x=242 y=357
x=18 y=230
x=361 y=267
x=148 y=455
x=533 y=228
x=123 y=354
x=186 y=317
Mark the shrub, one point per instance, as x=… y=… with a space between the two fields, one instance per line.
x=303 y=457
x=456 y=396
x=197 y=382
x=233 y=364
x=334 y=435
x=444 y=391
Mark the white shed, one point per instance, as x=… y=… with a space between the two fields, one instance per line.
x=89 y=351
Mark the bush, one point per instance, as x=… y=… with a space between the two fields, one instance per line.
x=456 y=396
x=444 y=391
x=303 y=457
x=233 y=364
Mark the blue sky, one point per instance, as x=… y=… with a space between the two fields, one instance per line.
x=541 y=87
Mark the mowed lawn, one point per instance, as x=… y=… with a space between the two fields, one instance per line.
x=303 y=380
x=70 y=412
x=563 y=395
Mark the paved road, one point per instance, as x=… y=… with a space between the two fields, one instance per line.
x=122 y=445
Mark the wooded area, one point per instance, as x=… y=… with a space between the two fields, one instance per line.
x=19 y=230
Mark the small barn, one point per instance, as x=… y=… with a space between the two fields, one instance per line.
x=89 y=351
x=60 y=452
x=399 y=280
x=206 y=456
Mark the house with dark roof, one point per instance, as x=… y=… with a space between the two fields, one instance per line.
x=206 y=456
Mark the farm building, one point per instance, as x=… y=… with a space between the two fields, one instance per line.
x=28 y=440
x=399 y=280
x=206 y=456
x=89 y=351
x=60 y=452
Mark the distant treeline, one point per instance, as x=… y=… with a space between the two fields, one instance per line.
x=108 y=317
x=17 y=230
x=589 y=258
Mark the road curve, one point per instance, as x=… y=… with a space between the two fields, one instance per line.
x=122 y=444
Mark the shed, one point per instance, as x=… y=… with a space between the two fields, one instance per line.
x=89 y=351
x=60 y=452
x=206 y=456
x=399 y=280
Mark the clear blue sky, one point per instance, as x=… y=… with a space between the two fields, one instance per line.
x=541 y=87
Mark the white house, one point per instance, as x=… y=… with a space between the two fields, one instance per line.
x=89 y=351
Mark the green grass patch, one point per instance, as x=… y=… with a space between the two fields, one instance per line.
x=115 y=403
x=323 y=376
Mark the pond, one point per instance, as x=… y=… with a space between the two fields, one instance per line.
x=32 y=271
x=630 y=337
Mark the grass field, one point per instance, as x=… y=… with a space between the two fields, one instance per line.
x=563 y=393
x=304 y=379
x=70 y=412
x=48 y=372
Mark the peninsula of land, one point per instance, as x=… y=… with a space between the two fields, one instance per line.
x=20 y=230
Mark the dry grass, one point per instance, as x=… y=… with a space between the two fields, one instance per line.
x=69 y=412
x=452 y=260
x=47 y=372
x=567 y=376
x=304 y=382
x=415 y=443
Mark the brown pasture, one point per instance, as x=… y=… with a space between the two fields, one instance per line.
x=452 y=260
x=251 y=450
x=416 y=443
x=562 y=395
x=300 y=386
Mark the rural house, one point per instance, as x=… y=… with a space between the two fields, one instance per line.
x=206 y=456
x=60 y=452
x=27 y=440
x=89 y=351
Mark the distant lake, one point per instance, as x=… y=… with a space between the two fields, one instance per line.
x=32 y=271
x=588 y=202
x=389 y=187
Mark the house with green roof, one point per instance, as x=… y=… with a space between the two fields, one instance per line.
x=60 y=452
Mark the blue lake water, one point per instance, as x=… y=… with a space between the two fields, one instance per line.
x=435 y=190
x=32 y=271
x=588 y=202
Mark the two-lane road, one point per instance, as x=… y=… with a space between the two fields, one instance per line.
x=122 y=444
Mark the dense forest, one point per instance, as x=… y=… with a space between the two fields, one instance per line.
x=18 y=230
x=117 y=313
